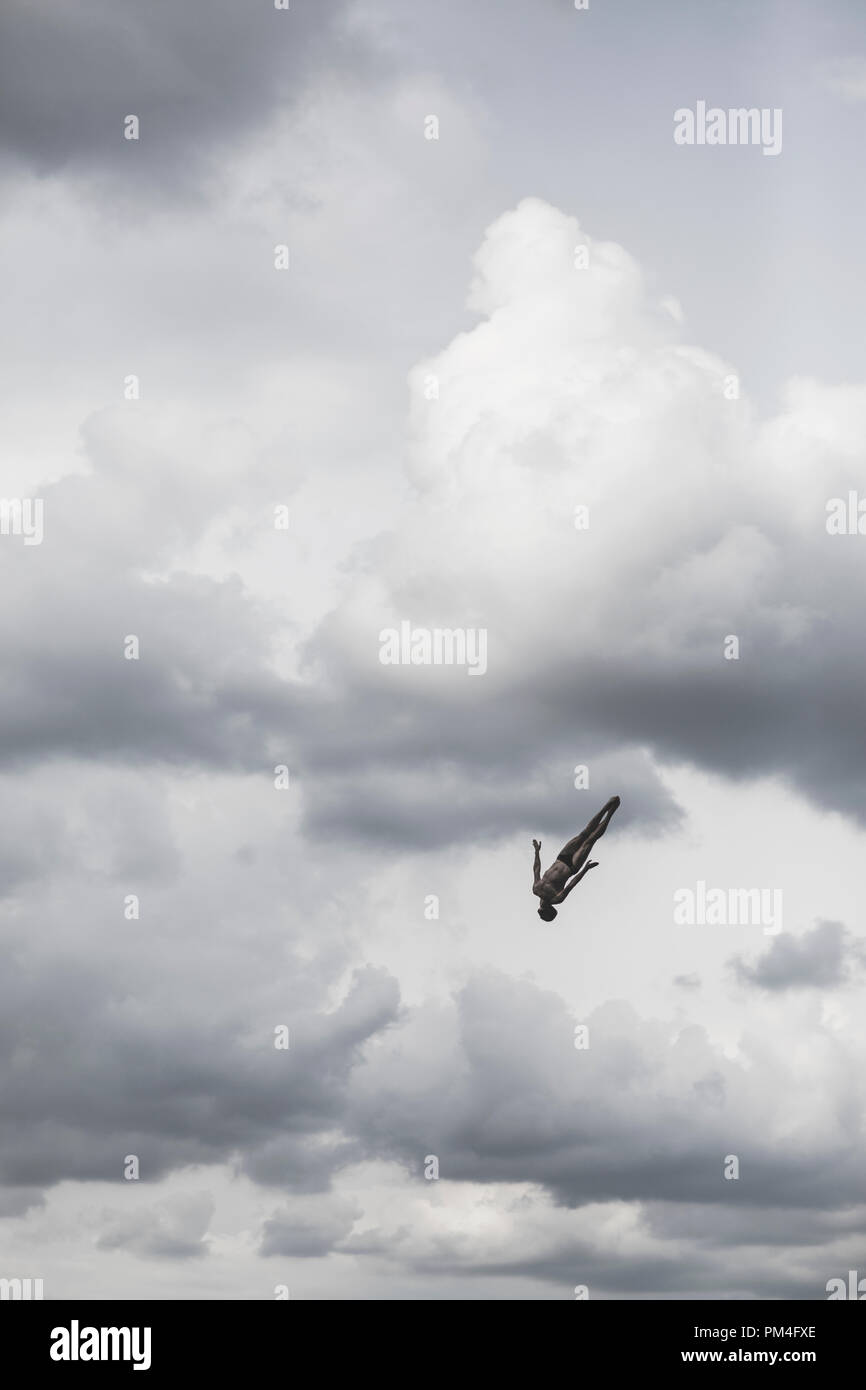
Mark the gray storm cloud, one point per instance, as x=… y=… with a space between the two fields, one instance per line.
x=197 y=75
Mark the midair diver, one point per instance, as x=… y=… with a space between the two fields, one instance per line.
x=553 y=886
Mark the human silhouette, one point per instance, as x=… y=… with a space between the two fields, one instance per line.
x=553 y=885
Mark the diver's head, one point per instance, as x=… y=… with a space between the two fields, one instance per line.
x=547 y=913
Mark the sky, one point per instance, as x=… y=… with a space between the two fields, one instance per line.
x=533 y=369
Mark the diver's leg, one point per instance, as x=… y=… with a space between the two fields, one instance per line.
x=582 y=854
x=592 y=832
x=590 y=840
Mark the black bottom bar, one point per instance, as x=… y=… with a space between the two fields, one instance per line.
x=222 y=1338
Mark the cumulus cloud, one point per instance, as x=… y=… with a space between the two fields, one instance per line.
x=176 y=1083
x=615 y=1249
x=204 y=688
x=822 y=958
x=577 y=389
x=647 y=1112
x=176 y=1229
x=313 y=1227
x=608 y=642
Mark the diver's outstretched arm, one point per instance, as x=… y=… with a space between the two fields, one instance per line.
x=536 y=867
x=593 y=864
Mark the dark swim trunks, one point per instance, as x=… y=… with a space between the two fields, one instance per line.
x=567 y=853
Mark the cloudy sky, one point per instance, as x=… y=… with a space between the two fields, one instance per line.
x=550 y=306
